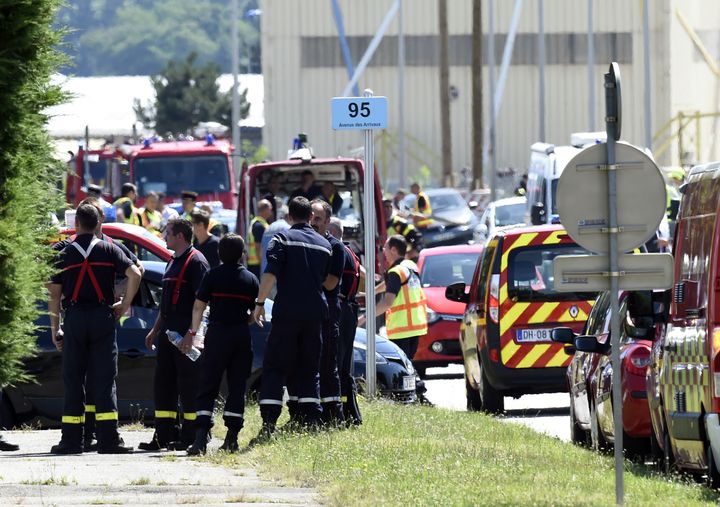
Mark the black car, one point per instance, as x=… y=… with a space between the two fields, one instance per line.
x=42 y=401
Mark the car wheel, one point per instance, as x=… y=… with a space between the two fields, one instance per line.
x=7 y=415
x=712 y=478
x=578 y=435
x=668 y=465
x=474 y=403
x=493 y=401
x=656 y=451
x=597 y=439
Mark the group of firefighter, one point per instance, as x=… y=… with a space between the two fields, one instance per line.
x=314 y=279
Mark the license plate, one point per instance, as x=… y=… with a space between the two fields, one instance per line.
x=409 y=383
x=533 y=335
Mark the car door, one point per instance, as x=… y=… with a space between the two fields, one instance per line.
x=136 y=364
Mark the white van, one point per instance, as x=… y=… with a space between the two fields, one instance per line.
x=547 y=162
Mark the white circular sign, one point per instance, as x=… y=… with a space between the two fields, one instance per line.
x=582 y=197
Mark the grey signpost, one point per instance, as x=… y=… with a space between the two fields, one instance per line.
x=611 y=199
x=365 y=113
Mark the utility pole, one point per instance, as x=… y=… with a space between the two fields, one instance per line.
x=401 y=96
x=541 y=66
x=235 y=112
x=477 y=97
x=445 y=129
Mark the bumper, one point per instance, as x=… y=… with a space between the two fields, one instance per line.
x=712 y=427
x=444 y=334
x=519 y=381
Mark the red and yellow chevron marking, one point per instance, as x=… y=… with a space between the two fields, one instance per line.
x=534 y=315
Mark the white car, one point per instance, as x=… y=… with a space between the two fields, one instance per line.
x=500 y=213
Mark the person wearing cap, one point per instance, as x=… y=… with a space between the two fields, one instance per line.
x=125 y=205
x=308 y=189
x=84 y=285
x=150 y=217
x=189 y=199
x=108 y=209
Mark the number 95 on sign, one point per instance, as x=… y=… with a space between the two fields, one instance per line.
x=359 y=113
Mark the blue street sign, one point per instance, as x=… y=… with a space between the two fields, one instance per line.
x=359 y=113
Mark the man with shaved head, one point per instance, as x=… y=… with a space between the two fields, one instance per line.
x=257 y=228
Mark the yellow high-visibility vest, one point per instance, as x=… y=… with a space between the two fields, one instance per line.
x=426 y=210
x=407 y=317
x=134 y=217
x=253 y=245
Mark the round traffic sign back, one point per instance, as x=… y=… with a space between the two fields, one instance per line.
x=582 y=196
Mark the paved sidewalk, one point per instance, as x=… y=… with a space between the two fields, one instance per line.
x=32 y=476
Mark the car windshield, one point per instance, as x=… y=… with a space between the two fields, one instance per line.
x=444 y=270
x=448 y=201
x=531 y=274
x=206 y=174
x=510 y=214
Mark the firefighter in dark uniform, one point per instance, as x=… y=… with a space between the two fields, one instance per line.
x=175 y=373
x=85 y=286
x=89 y=433
x=298 y=260
x=348 y=325
x=206 y=243
x=329 y=378
x=231 y=290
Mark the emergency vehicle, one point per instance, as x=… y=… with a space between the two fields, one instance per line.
x=106 y=167
x=203 y=166
x=547 y=163
x=684 y=374
x=344 y=172
x=512 y=307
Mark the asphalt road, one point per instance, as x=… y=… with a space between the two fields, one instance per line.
x=545 y=413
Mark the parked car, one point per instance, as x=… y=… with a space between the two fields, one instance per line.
x=453 y=220
x=43 y=401
x=511 y=310
x=590 y=374
x=439 y=267
x=500 y=213
x=146 y=245
x=684 y=379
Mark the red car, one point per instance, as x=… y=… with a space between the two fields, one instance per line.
x=141 y=242
x=440 y=267
x=590 y=374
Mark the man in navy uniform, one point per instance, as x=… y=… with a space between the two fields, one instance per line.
x=329 y=379
x=298 y=261
x=85 y=285
x=175 y=373
x=231 y=290
x=205 y=242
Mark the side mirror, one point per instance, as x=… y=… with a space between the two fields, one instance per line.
x=569 y=350
x=456 y=292
x=590 y=344
x=563 y=335
x=537 y=213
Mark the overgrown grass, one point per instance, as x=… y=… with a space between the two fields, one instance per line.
x=429 y=456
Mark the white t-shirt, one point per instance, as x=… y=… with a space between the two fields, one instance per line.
x=167 y=214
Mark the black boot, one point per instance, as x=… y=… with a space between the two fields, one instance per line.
x=115 y=449
x=266 y=434
x=90 y=444
x=7 y=446
x=66 y=448
x=231 y=444
x=200 y=445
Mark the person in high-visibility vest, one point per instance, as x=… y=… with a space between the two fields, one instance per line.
x=404 y=303
x=258 y=226
x=422 y=214
x=125 y=205
x=150 y=218
x=397 y=225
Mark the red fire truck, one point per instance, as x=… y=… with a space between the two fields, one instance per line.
x=106 y=167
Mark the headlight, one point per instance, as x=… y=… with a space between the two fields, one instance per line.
x=360 y=355
x=380 y=359
x=432 y=316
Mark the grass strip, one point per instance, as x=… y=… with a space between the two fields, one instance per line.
x=415 y=455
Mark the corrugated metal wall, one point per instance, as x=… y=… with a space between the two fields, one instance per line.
x=298 y=96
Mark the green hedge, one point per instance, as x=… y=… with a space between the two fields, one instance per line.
x=28 y=173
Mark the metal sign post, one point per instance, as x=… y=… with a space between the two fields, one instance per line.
x=611 y=200
x=365 y=113
x=612 y=125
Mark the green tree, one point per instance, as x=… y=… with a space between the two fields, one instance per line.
x=28 y=173
x=187 y=94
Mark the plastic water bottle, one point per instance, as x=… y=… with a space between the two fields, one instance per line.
x=175 y=338
x=199 y=340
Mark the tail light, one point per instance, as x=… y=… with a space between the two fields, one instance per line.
x=638 y=361
x=494 y=298
x=715 y=354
